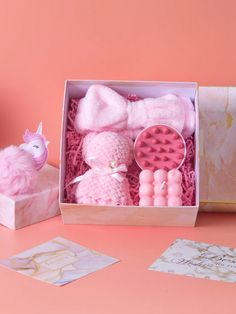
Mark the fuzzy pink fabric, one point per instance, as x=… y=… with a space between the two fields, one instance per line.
x=17 y=171
x=75 y=164
x=108 y=154
x=103 y=109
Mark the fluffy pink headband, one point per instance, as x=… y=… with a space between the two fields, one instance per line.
x=103 y=109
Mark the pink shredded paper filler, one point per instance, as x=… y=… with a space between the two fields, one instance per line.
x=76 y=166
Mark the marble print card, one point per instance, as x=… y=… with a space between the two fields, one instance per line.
x=58 y=261
x=196 y=259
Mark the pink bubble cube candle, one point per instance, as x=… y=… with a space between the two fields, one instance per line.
x=160 y=188
x=175 y=190
x=146 y=188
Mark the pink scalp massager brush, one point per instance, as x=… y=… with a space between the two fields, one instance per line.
x=159 y=147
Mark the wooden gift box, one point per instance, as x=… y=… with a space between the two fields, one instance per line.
x=23 y=210
x=129 y=215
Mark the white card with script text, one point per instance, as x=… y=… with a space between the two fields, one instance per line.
x=196 y=259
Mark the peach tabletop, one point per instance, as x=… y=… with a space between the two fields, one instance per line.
x=126 y=287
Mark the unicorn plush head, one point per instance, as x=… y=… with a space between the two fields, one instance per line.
x=37 y=145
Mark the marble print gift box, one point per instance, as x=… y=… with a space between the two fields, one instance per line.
x=74 y=170
x=22 y=210
x=217 y=107
x=28 y=186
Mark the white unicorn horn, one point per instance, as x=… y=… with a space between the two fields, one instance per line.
x=47 y=143
x=40 y=129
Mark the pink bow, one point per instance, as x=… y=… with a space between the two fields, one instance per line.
x=114 y=172
x=103 y=109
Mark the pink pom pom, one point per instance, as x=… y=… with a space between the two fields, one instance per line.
x=17 y=171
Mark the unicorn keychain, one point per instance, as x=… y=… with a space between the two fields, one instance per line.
x=36 y=144
x=19 y=165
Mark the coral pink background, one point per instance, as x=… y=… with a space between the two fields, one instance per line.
x=45 y=42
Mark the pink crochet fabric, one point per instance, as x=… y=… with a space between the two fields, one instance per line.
x=108 y=154
x=106 y=110
x=75 y=165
